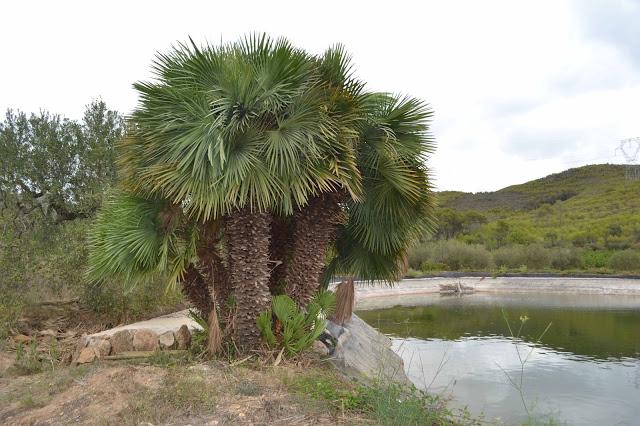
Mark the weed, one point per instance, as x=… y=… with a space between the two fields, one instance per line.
x=385 y=402
x=518 y=381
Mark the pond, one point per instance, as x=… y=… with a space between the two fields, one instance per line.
x=585 y=369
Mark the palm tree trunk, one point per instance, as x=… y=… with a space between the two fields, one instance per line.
x=315 y=231
x=280 y=250
x=247 y=236
x=196 y=290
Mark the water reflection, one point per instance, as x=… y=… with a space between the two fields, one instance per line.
x=586 y=371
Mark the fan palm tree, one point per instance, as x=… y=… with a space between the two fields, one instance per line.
x=246 y=165
x=368 y=237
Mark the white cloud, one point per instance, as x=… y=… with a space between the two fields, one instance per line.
x=509 y=82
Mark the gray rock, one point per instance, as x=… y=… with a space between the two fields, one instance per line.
x=87 y=355
x=122 y=341
x=167 y=340
x=102 y=346
x=183 y=337
x=319 y=348
x=145 y=340
x=364 y=354
x=83 y=341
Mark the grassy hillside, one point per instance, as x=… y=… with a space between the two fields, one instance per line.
x=589 y=212
x=577 y=204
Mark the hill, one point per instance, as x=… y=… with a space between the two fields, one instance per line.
x=583 y=219
x=579 y=202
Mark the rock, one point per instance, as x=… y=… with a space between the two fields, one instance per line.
x=101 y=345
x=167 y=340
x=21 y=338
x=145 y=340
x=88 y=354
x=48 y=332
x=122 y=341
x=364 y=354
x=320 y=348
x=183 y=337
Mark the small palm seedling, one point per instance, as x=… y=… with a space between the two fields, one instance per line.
x=288 y=326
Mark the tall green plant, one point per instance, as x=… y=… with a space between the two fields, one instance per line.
x=293 y=328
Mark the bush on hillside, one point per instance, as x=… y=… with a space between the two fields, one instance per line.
x=537 y=256
x=449 y=255
x=47 y=262
x=626 y=260
x=616 y=243
x=419 y=254
x=510 y=257
x=534 y=256
x=584 y=239
x=595 y=259
x=457 y=255
x=566 y=258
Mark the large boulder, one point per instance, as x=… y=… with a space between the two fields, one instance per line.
x=102 y=346
x=122 y=341
x=364 y=354
x=183 y=337
x=167 y=340
x=87 y=355
x=145 y=340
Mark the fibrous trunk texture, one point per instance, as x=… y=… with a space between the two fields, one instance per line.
x=209 y=274
x=280 y=250
x=315 y=230
x=247 y=235
x=196 y=290
x=214 y=338
x=345 y=299
x=212 y=267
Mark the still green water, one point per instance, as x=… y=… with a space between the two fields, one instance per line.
x=585 y=370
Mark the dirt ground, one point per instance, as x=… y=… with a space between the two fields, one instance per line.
x=210 y=393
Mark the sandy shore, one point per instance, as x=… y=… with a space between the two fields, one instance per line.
x=372 y=294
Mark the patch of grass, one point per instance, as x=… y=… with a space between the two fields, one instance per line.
x=184 y=391
x=37 y=390
x=384 y=403
x=11 y=307
x=326 y=387
x=27 y=360
x=248 y=388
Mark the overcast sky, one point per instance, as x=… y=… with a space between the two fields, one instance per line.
x=519 y=90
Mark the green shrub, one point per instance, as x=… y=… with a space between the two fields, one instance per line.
x=595 y=259
x=537 y=256
x=117 y=302
x=583 y=239
x=566 y=258
x=449 y=255
x=616 y=243
x=300 y=327
x=627 y=260
x=429 y=266
x=457 y=255
x=534 y=256
x=510 y=257
x=413 y=273
x=419 y=254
